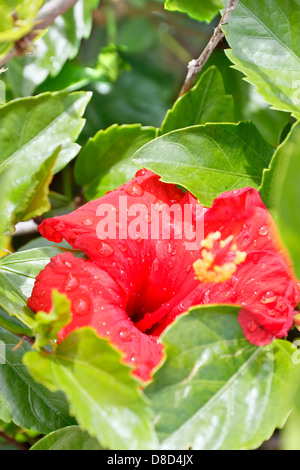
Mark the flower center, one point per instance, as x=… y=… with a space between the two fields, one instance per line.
x=219 y=259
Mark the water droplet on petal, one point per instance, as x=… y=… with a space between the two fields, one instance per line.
x=141 y=172
x=244 y=242
x=206 y=298
x=263 y=231
x=105 y=249
x=188 y=268
x=71 y=283
x=68 y=264
x=268 y=298
x=158 y=206
x=233 y=296
x=252 y=326
x=172 y=249
x=87 y=222
x=134 y=189
x=132 y=358
x=125 y=334
x=155 y=265
x=81 y=305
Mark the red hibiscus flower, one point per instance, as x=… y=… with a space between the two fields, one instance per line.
x=143 y=269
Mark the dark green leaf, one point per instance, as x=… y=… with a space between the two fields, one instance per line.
x=31 y=131
x=215 y=390
x=264 y=42
x=31 y=405
x=68 y=438
x=113 y=408
x=281 y=192
x=105 y=162
x=208 y=160
x=205 y=102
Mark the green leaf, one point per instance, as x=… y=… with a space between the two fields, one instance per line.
x=36 y=201
x=47 y=325
x=202 y=11
x=205 y=102
x=68 y=438
x=264 y=42
x=14 y=325
x=215 y=390
x=208 y=160
x=30 y=404
x=280 y=191
x=17 y=276
x=31 y=131
x=105 y=161
x=248 y=103
x=5 y=219
x=105 y=399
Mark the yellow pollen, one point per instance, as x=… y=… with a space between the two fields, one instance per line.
x=209 y=241
x=240 y=257
x=206 y=270
x=226 y=241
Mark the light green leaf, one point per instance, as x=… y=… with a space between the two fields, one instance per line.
x=215 y=390
x=53 y=49
x=47 y=325
x=281 y=192
x=12 y=324
x=31 y=131
x=208 y=160
x=105 y=399
x=17 y=19
x=5 y=219
x=264 y=41
x=205 y=102
x=201 y=10
x=36 y=201
x=17 y=276
x=105 y=161
x=30 y=404
x=68 y=438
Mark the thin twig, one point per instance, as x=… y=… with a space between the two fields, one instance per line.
x=196 y=65
x=45 y=17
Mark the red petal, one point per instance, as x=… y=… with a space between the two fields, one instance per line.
x=99 y=302
x=253 y=330
x=155 y=277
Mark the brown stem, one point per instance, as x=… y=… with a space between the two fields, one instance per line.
x=46 y=16
x=13 y=442
x=196 y=65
